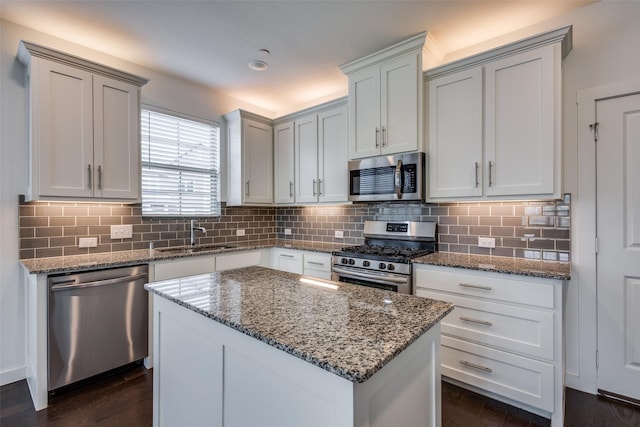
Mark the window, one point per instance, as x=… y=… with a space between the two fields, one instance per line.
x=180 y=166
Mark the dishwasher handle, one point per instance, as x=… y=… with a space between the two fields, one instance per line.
x=70 y=284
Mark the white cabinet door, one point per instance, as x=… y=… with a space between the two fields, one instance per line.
x=116 y=139
x=400 y=101
x=62 y=130
x=455 y=134
x=521 y=104
x=306 y=137
x=287 y=260
x=364 y=113
x=283 y=145
x=257 y=165
x=333 y=156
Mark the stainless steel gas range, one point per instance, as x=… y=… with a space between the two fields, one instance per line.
x=384 y=261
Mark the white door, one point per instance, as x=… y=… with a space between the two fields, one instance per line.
x=258 y=162
x=618 y=258
x=306 y=136
x=283 y=163
x=333 y=156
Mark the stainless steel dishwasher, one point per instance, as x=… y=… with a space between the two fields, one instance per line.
x=98 y=321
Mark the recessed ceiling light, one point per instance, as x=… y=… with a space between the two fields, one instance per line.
x=259 y=64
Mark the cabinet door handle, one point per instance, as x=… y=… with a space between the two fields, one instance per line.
x=466 y=285
x=315 y=263
x=319 y=187
x=315 y=193
x=477 y=182
x=384 y=136
x=286 y=256
x=99 y=177
x=89 y=169
x=247 y=188
x=479 y=322
x=290 y=189
x=474 y=366
x=490 y=168
x=377 y=137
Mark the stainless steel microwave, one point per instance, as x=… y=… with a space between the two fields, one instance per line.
x=387 y=178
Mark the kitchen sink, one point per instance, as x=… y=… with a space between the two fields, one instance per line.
x=194 y=249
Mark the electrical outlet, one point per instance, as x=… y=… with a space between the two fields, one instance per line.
x=339 y=234
x=122 y=231
x=87 y=242
x=486 y=242
x=287 y=232
x=239 y=232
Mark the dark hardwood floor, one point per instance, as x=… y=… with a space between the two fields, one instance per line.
x=125 y=399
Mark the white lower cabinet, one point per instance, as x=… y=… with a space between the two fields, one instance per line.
x=314 y=264
x=504 y=336
x=287 y=260
x=317 y=265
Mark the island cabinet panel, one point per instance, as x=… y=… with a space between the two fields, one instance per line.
x=207 y=373
x=504 y=336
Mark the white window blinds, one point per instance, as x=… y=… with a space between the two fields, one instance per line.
x=180 y=166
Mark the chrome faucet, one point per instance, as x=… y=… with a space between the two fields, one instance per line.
x=194 y=228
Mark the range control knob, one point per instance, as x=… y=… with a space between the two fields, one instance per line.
x=352 y=261
x=382 y=266
x=366 y=263
x=391 y=267
x=344 y=261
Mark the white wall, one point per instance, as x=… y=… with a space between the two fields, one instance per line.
x=163 y=91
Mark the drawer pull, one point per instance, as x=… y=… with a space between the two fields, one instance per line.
x=484 y=288
x=474 y=366
x=286 y=256
x=315 y=263
x=479 y=322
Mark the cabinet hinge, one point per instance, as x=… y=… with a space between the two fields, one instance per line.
x=594 y=129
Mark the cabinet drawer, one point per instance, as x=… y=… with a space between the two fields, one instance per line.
x=317 y=262
x=519 y=329
x=515 y=377
x=290 y=261
x=487 y=285
x=237 y=260
x=183 y=267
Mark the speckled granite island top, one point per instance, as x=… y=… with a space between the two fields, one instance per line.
x=523 y=267
x=350 y=330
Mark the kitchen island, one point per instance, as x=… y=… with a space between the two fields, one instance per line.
x=260 y=347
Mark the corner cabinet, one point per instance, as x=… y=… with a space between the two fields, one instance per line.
x=84 y=128
x=504 y=336
x=250 y=159
x=385 y=100
x=495 y=122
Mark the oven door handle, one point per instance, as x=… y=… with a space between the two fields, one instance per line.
x=370 y=276
x=398 y=179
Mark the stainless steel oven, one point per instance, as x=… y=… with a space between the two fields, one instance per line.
x=384 y=261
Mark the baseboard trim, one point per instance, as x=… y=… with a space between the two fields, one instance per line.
x=13 y=375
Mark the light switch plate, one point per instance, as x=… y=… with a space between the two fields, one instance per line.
x=486 y=242
x=239 y=232
x=122 y=231
x=339 y=234
x=87 y=242
x=287 y=232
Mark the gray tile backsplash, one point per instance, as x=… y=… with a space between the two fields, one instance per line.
x=533 y=230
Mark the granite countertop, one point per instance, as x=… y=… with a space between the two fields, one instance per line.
x=350 y=330
x=122 y=258
x=523 y=267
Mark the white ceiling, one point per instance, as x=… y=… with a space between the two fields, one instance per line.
x=211 y=42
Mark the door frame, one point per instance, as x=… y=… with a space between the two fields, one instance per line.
x=583 y=233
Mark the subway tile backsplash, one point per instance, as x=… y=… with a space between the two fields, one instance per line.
x=533 y=230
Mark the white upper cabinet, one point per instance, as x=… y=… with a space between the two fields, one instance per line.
x=85 y=128
x=250 y=159
x=283 y=162
x=385 y=100
x=313 y=143
x=495 y=122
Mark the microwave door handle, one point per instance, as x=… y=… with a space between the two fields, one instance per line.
x=398 y=179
